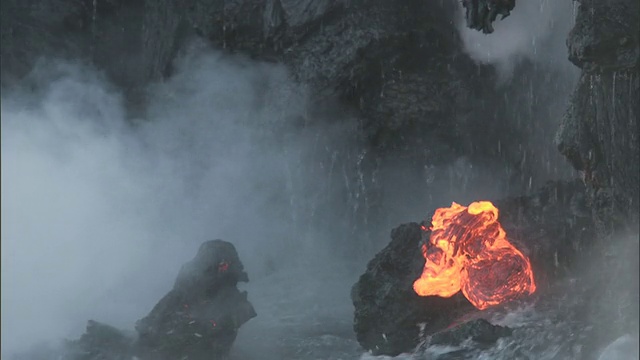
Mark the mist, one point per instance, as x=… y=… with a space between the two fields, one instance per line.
x=101 y=206
x=99 y=211
x=536 y=30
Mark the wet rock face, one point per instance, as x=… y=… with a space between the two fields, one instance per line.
x=599 y=132
x=394 y=72
x=605 y=36
x=599 y=136
x=552 y=227
x=198 y=319
x=398 y=66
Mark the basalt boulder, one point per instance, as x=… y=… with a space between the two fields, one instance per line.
x=198 y=319
x=388 y=313
x=550 y=227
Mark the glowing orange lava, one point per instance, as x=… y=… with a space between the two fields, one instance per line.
x=468 y=250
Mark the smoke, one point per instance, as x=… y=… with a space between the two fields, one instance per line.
x=99 y=211
x=536 y=30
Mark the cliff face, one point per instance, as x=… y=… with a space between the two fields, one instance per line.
x=398 y=65
x=599 y=136
x=599 y=133
x=398 y=68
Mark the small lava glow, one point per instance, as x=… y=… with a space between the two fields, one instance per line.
x=468 y=250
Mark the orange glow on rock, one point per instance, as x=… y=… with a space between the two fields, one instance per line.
x=468 y=250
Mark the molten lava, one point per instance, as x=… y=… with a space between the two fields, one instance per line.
x=468 y=250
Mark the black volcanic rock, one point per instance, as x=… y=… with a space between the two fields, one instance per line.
x=480 y=14
x=198 y=319
x=599 y=132
x=399 y=66
x=388 y=312
x=552 y=227
x=395 y=73
x=599 y=136
x=605 y=35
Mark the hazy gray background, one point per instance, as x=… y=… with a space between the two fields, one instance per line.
x=99 y=214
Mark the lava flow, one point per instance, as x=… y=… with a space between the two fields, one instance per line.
x=468 y=250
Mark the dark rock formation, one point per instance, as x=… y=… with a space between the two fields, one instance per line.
x=550 y=227
x=198 y=319
x=398 y=66
x=599 y=133
x=480 y=14
x=387 y=310
x=599 y=136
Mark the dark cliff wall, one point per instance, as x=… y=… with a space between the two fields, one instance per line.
x=430 y=124
x=599 y=133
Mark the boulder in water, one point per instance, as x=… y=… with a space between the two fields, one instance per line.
x=551 y=227
x=198 y=319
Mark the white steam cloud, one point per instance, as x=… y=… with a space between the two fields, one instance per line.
x=536 y=30
x=98 y=215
